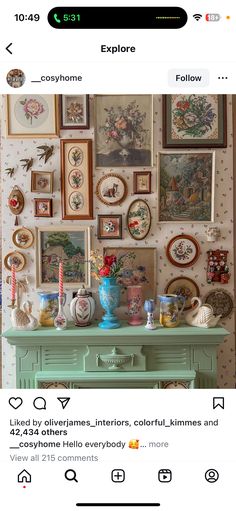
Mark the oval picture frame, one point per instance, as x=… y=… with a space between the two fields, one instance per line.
x=17 y=255
x=183 y=251
x=27 y=238
x=115 y=189
x=139 y=219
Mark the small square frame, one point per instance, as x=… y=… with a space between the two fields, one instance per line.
x=36 y=174
x=100 y=226
x=139 y=190
x=49 y=211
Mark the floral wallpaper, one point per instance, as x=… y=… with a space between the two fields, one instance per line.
x=15 y=149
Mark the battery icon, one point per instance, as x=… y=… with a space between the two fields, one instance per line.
x=212 y=17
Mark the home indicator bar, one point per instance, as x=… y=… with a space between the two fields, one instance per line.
x=117 y=17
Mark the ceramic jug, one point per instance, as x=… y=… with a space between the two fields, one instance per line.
x=169 y=309
x=48 y=307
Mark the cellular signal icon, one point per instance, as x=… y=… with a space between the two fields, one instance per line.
x=197 y=17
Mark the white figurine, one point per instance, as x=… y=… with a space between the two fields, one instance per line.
x=23 y=319
x=202 y=315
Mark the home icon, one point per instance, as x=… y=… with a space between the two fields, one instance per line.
x=24 y=477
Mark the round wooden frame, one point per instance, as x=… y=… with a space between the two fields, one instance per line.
x=98 y=189
x=150 y=219
x=29 y=243
x=188 y=280
x=185 y=237
x=18 y=254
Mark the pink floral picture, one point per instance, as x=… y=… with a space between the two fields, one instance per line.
x=31 y=115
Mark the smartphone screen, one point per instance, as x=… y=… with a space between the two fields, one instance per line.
x=117 y=137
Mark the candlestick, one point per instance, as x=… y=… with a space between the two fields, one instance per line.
x=13 y=283
x=61 y=291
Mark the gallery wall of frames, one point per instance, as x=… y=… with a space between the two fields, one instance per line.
x=88 y=175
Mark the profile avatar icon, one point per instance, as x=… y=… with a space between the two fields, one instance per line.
x=15 y=78
x=212 y=475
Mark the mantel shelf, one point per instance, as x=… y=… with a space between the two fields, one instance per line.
x=183 y=334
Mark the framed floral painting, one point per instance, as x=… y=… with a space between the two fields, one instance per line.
x=74 y=111
x=139 y=219
x=124 y=134
x=142 y=269
x=186 y=184
x=194 y=120
x=71 y=244
x=43 y=208
x=109 y=227
x=76 y=179
x=32 y=116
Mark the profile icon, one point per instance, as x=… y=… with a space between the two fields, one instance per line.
x=15 y=78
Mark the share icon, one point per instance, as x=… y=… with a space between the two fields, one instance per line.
x=64 y=401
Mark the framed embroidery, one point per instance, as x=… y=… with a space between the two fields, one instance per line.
x=194 y=120
x=76 y=179
x=183 y=251
x=74 y=110
x=32 y=116
x=186 y=184
x=71 y=244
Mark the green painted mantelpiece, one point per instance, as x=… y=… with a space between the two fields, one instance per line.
x=128 y=357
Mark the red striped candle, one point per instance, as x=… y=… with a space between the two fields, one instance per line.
x=61 y=291
x=13 y=282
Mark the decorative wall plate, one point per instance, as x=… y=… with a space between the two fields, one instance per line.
x=183 y=286
x=139 y=219
x=111 y=189
x=23 y=238
x=183 y=250
x=221 y=301
x=176 y=385
x=15 y=258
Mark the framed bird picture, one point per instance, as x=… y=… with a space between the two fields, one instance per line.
x=32 y=116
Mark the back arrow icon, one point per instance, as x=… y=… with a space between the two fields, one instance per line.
x=7 y=48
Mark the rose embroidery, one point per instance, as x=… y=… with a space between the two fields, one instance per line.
x=32 y=109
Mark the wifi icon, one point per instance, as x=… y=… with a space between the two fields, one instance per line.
x=197 y=17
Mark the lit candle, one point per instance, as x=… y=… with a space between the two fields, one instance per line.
x=61 y=279
x=13 y=282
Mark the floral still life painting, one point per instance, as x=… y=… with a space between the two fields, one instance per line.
x=124 y=130
x=194 y=120
x=186 y=192
x=60 y=244
x=140 y=269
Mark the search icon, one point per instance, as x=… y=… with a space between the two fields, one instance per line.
x=70 y=475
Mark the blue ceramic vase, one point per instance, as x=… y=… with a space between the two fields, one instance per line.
x=109 y=294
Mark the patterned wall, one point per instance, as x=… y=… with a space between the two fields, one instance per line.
x=14 y=150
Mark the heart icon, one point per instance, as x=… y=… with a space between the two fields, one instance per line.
x=15 y=402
